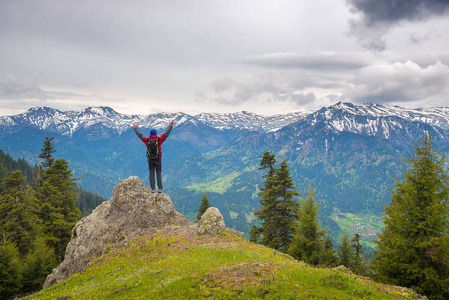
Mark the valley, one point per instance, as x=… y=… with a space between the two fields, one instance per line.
x=349 y=153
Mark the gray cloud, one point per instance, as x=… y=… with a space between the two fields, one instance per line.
x=13 y=88
x=388 y=11
x=266 y=56
x=278 y=89
x=23 y=93
x=400 y=83
x=418 y=39
x=312 y=60
x=264 y=86
x=302 y=99
x=376 y=18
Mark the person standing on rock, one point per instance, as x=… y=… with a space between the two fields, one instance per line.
x=154 y=154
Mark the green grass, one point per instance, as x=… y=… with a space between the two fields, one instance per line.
x=233 y=214
x=219 y=185
x=367 y=225
x=220 y=267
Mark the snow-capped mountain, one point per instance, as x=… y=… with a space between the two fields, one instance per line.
x=373 y=119
x=67 y=123
x=250 y=121
x=433 y=116
x=368 y=119
x=349 y=152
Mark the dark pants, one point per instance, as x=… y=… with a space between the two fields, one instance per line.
x=152 y=165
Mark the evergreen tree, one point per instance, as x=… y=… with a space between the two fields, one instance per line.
x=38 y=264
x=268 y=201
x=18 y=207
x=47 y=153
x=203 y=207
x=344 y=251
x=328 y=256
x=278 y=211
x=86 y=201
x=287 y=208
x=254 y=234
x=60 y=177
x=55 y=228
x=55 y=191
x=8 y=164
x=358 y=258
x=10 y=271
x=308 y=242
x=413 y=248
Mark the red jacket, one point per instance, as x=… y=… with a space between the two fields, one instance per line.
x=162 y=138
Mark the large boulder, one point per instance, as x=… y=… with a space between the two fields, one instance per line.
x=132 y=212
x=211 y=222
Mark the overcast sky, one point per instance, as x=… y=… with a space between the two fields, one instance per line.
x=268 y=57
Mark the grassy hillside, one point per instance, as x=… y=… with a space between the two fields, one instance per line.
x=204 y=267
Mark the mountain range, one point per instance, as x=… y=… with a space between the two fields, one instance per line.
x=348 y=153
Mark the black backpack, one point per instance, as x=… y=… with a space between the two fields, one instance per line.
x=153 y=148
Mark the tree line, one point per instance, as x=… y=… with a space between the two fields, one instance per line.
x=38 y=209
x=413 y=248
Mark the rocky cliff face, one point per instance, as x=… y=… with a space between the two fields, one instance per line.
x=132 y=212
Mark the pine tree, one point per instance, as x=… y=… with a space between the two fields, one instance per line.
x=203 y=207
x=287 y=208
x=38 y=264
x=358 y=255
x=328 y=256
x=18 y=207
x=413 y=248
x=55 y=228
x=10 y=271
x=47 y=153
x=268 y=201
x=344 y=251
x=254 y=235
x=55 y=191
x=61 y=177
x=308 y=242
x=278 y=211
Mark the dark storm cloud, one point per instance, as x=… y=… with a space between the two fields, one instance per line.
x=378 y=17
x=388 y=11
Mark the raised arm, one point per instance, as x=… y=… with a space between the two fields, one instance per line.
x=137 y=132
x=167 y=133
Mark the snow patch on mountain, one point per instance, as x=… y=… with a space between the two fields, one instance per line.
x=368 y=119
x=250 y=121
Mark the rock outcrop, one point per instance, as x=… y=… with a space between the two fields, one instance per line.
x=132 y=212
x=211 y=222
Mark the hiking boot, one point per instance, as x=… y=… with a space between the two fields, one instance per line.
x=152 y=191
x=159 y=191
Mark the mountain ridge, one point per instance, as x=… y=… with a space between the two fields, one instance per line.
x=67 y=123
x=348 y=152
